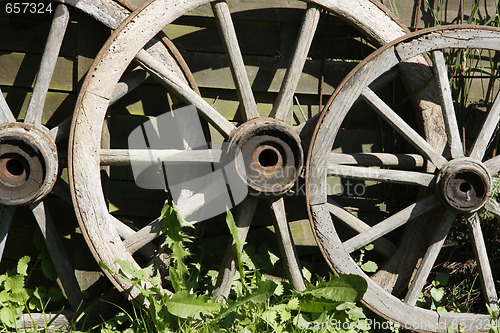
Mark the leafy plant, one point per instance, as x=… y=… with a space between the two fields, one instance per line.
x=16 y=299
x=433 y=299
x=259 y=304
x=368 y=266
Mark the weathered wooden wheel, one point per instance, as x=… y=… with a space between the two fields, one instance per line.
x=102 y=229
x=457 y=184
x=33 y=155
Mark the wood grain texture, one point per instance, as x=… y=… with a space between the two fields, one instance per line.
x=375 y=296
x=400 y=218
x=382 y=245
x=58 y=254
x=287 y=247
x=382 y=175
x=148 y=156
x=228 y=35
x=284 y=101
x=243 y=219
x=5 y=112
x=47 y=66
x=420 y=279
x=403 y=161
x=451 y=125
x=482 y=257
x=403 y=128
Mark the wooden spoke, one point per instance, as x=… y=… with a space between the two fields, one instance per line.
x=403 y=128
x=6 y=214
x=61 y=130
x=402 y=161
x=382 y=245
x=493 y=165
x=383 y=175
x=284 y=101
x=423 y=271
x=135 y=241
x=486 y=133
x=58 y=254
x=128 y=156
x=382 y=228
x=171 y=80
x=128 y=82
x=449 y=116
x=47 y=66
x=243 y=219
x=6 y=115
x=226 y=27
x=147 y=250
x=490 y=293
x=285 y=242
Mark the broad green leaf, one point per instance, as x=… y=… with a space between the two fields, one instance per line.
x=369 y=247
x=279 y=289
x=437 y=294
x=4 y=296
x=238 y=244
x=20 y=297
x=9 y=315
x=345 y=306
x=270 y=316
x=261 y=293
x=186 y=305
x=369 y=266
x=343 y=288
x=317 y=305
x=133 y=272
x=176 y=238
x=22 y=265
x=264 y=290
x=14 y=283
x=306 y=274
x=285 y=314
x=356 y=313
x=293 y=303
x=450 y=329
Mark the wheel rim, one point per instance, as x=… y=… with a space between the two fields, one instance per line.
x=120 y=49
x=32 y=156
x=462 y=184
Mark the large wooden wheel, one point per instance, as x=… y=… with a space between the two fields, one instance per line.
x=455 y=185
x=102 y=228
x=30 y=152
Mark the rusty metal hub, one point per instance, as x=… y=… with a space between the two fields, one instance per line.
x=28 y=164
x=464 y=185
x=272 y=156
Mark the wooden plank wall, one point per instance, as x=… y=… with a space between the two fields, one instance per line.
x=267 y=39
x=21 y=46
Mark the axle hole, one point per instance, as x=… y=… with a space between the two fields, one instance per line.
x=15 y=167
x=465 y=187
x=268 y=158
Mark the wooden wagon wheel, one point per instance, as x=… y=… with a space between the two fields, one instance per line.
x=86 y=155
x=30 y=165
x=459 y=186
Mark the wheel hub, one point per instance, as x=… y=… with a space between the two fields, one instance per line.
x=28 y=164
x=464 y=185
x=272 y=156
